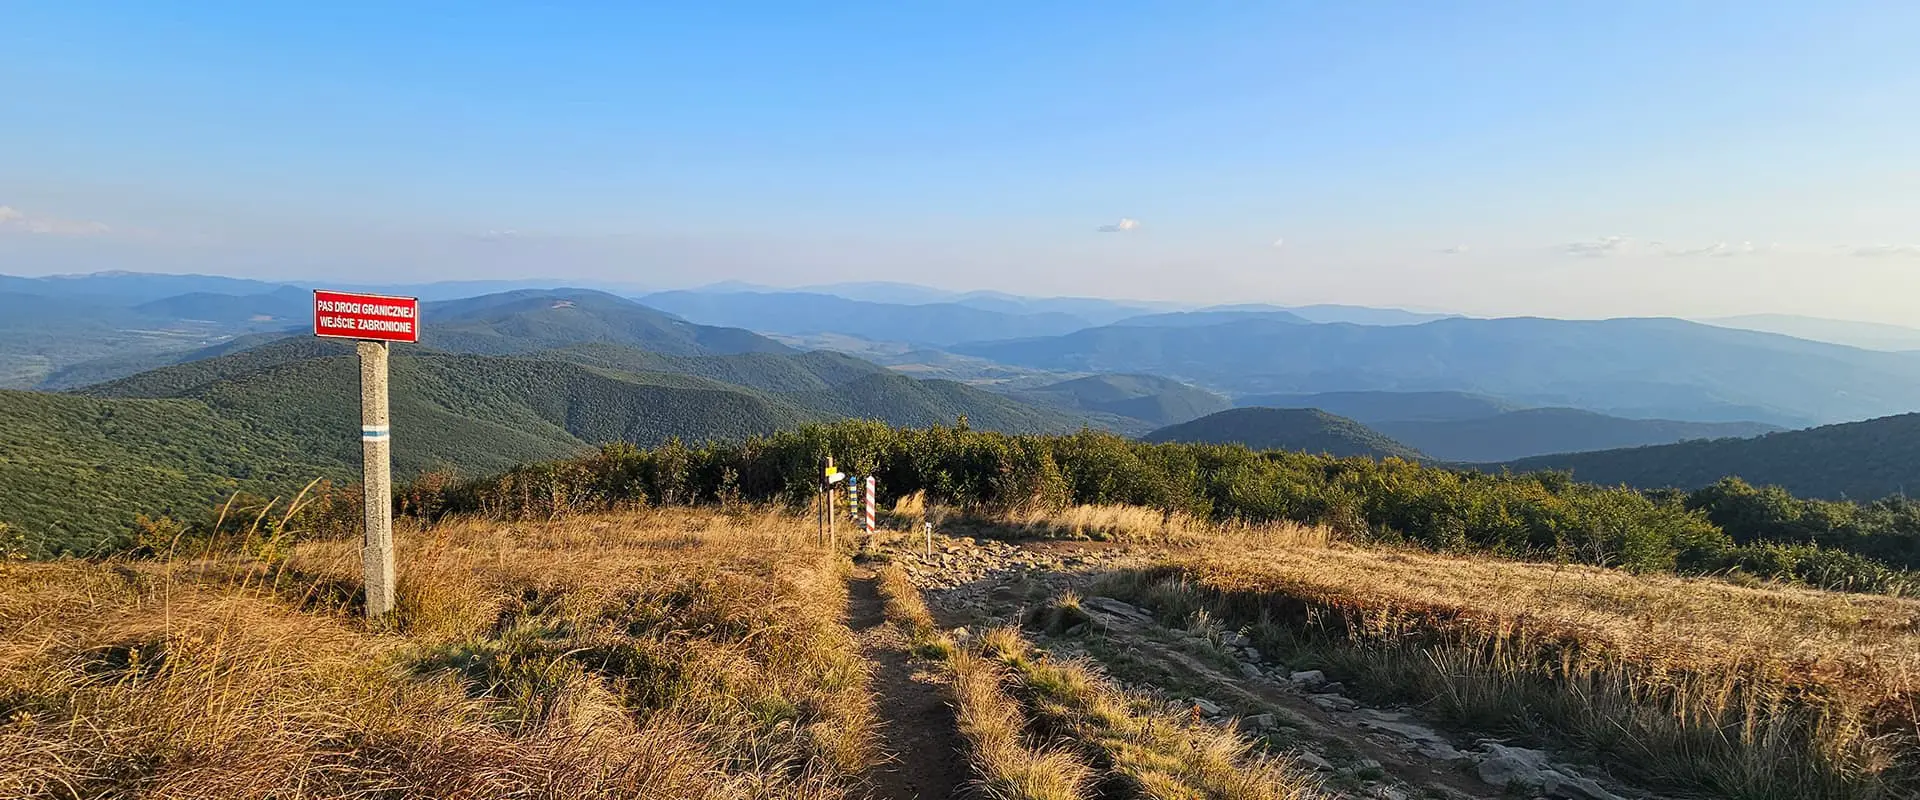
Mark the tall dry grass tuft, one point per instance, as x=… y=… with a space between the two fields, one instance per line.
x=907 y=609
x=1008 y=768
x=1765 y=692
x=1140 y=525
x=662 y=655
x=911 y=506
x=1157 y=754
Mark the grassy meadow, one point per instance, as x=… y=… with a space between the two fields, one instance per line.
x=666 y=654
x=694 y=652
x=1707 y=685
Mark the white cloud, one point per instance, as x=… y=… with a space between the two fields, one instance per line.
x=1454 y=250
x=1125 y=224
x=1598 y=248
x=1888 y=251
x=1716 y=250
x=15 y=220
x=1280 y=242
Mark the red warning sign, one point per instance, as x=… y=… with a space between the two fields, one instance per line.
x=349 y=315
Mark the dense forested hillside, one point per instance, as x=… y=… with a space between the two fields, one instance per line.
x=470 y=413
x=74 y=471
x=1861 y=460
x=1306 y=430
x=901 y=400
x=771 y=372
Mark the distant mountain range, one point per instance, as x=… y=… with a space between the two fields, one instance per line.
x=229 y=390
x=1462 y=427
x=805 y=313
x=1303 y=429
x=1131 y=404
x=1859 y=460
x=1372 y=407
x=1358 y=315
x=1865 y=335
x=1645 y=368
x=1201 y=319
x=1537 y=431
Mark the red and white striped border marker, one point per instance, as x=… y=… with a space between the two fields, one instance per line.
x=869 y=504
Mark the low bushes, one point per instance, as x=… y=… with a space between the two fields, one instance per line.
x=1097 y=485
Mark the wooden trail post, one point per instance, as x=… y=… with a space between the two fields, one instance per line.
x=374 y=320
x=828 y=475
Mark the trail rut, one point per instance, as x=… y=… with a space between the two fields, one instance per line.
x=923 y=751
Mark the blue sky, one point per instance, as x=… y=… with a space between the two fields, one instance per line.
x=1572 y=159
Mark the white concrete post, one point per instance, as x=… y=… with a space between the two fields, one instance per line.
x=376 y=452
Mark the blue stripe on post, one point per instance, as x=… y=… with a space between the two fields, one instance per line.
x=374 y=433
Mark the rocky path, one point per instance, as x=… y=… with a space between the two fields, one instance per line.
x=1360 y=751
x=923 y=754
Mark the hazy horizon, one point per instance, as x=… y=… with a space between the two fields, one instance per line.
x=1631 y=159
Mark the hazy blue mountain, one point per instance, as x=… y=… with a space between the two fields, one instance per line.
x=894 y=292
x=1657 y=368
x=121 y=365
x=807 y=313
x=533 y=320
x=132 y=288
x=1095 y=310
x=1865 y=335
x=1540 y=431
x=1308 y=430
x=20 y=309
x=1860 y=460
x=40 y=335
x=1200 y=319
x=283 y=307
x=1372 y=407
x=1358 y=315
x=507 y=323
x=1153 y=400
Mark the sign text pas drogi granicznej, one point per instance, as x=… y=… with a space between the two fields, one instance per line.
x=372 y=317
x=375 y=320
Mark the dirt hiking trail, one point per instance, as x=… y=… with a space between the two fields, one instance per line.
x=923 y=755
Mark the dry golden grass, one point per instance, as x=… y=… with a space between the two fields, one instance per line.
x=1159 y=755
x=1007 y=766
x=656 y=655
x=1142 y=525
x=1772 y=691
x=903 y=603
